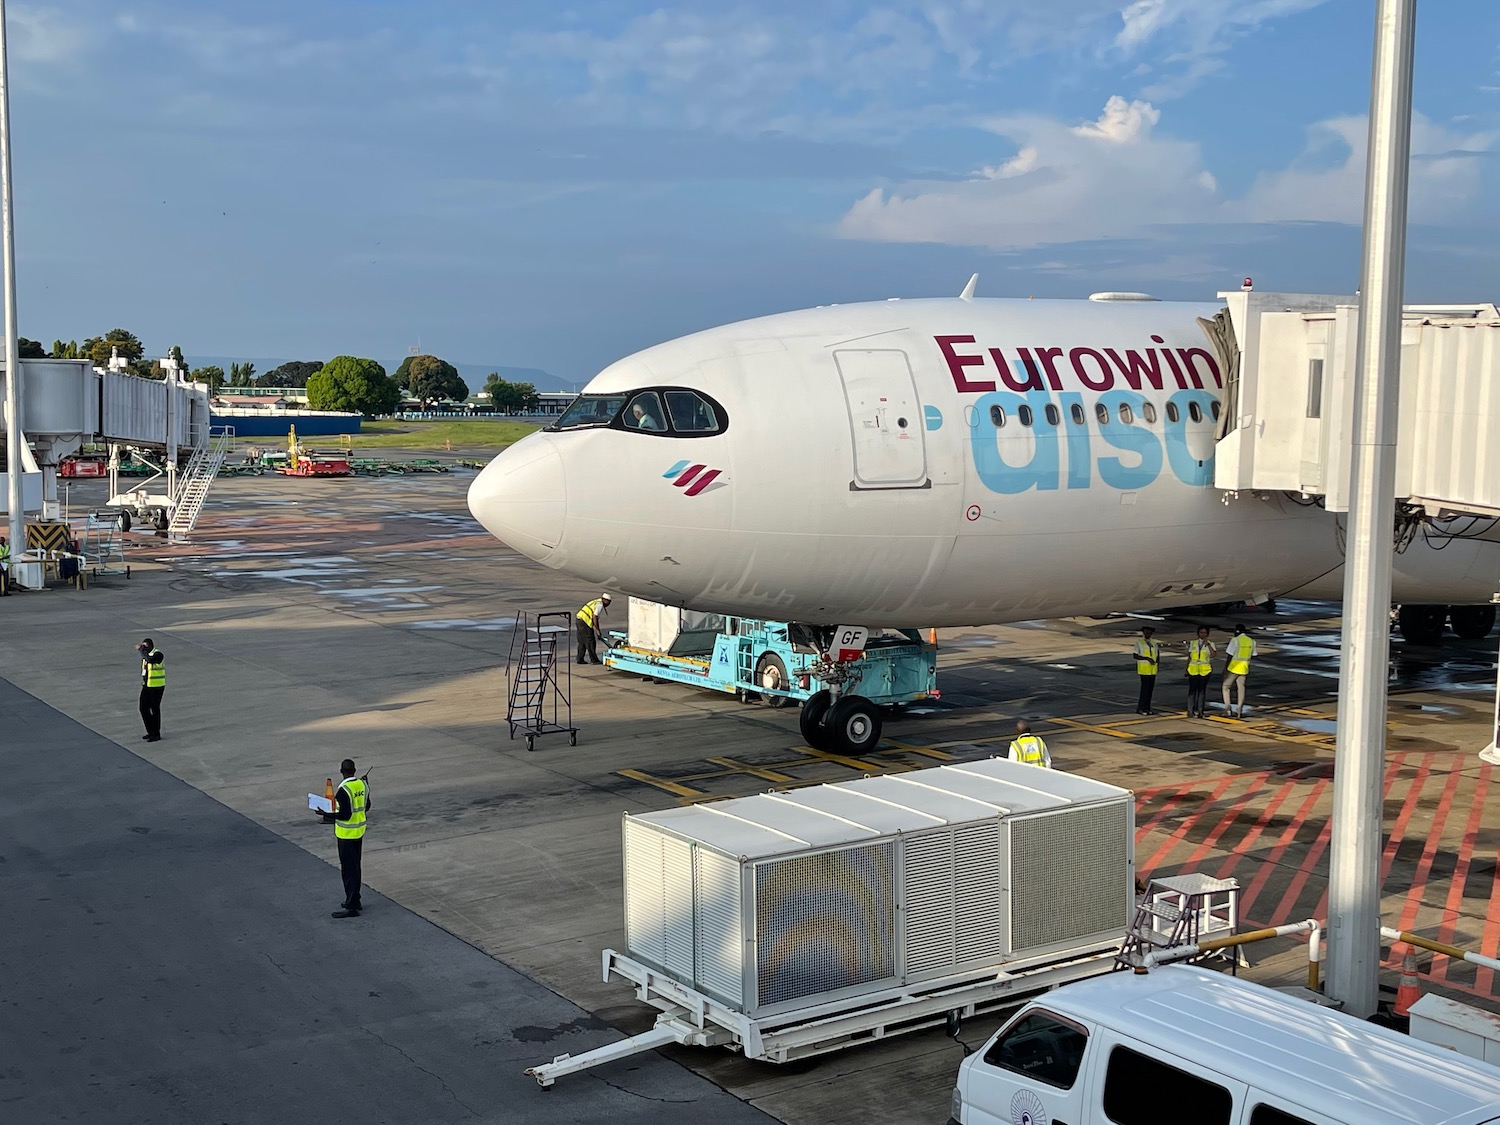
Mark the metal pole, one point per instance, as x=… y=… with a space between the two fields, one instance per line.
x=1354 y=877
x=14 y=438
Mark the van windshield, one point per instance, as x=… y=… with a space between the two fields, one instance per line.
x=590 y=410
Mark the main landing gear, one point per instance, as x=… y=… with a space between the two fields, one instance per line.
x=1423 y=624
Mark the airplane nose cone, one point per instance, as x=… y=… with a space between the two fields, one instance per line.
x=521 y=499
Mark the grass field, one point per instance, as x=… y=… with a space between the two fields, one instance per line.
x=461 y=433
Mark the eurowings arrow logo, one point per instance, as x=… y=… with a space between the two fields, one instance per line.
x=693 y=479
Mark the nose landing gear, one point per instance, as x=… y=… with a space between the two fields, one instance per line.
x=836 y=719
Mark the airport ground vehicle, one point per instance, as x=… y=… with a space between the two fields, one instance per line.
x=1185 y=1044
x=778 y=662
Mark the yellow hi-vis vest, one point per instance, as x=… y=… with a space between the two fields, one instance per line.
x=1240 y=650
x=1147 y=656
x=591 y=611
x=1200 y=658
x=1030 y=749
x=5 y=557
x=154 y=675
x=354 y=827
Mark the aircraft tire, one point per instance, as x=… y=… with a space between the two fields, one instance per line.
x=1422 y=624
x=856 y=724
x=770 y=672
x=1472 y=622
x=813 y=720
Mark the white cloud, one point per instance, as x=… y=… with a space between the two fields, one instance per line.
x=44 y=35
x=1180 y=42
x=1327 y=182
x=1108 y=178
x=1117 y=178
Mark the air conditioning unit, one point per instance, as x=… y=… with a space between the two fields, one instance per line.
x=781 y=901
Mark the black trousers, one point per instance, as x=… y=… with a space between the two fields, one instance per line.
x=1197 y=693
x=588 y=650
x=151 y=709
x=5 y=581
x=349 y=868
x=1148 y=688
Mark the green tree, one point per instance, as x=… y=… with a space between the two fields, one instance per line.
x=347 y=382
x=128 y=345
x=512 y=398
x=70 y=350
x=241 y=374
x=30 y=349
x=213 y=375
x=293 y=374
x=429 y=379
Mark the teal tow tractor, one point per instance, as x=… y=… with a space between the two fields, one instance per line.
x=775 y=661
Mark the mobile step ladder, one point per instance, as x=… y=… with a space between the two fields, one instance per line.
x=1180 y=910
x=539 y=687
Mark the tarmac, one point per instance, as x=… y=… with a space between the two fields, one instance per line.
x=310 y=620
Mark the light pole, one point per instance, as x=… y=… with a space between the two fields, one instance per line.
x=1359 y=769
x=14 y=438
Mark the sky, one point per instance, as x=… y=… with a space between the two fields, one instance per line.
x=555 y=185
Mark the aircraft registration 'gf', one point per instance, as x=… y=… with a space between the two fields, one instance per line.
x=925 y=463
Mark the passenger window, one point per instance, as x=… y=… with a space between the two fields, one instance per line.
x=1270 y=1115
x=1127 y=415
x=1214 y=408
x=1023 y=414
x=1172 y=414
x=1076 y=413
x=1195 y=412
x=1101 y=412
x=644 y=413
x=1041 y=1046
x=997 y=416
x=691 y=413
x=1148 y=412
x=1136 y=1087
x=1054 y=415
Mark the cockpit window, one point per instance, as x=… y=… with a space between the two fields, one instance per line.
x=590 y=410
x=644 y=413
x=691 y=413
x=666 y=411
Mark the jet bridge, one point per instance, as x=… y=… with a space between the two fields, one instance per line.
x=1288 y=420
x=67 y=402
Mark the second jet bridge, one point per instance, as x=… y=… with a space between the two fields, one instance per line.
x=1288 y=421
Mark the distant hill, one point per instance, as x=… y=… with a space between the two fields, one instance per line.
x=473 y=374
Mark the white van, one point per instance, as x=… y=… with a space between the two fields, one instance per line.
x=1181 y=1044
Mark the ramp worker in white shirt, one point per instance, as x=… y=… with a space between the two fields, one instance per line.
x=1029 y=748
x=1238 y=652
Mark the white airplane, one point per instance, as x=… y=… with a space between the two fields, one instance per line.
x=936 y=462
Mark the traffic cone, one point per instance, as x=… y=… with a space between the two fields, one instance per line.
x=328 y=790
x=1410 y=988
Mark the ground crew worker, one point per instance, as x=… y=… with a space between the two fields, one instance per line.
x=1200 y=665
x=1029 y=748
x=1147 y=661
x=590 y=629
x=153 y=685
x=351 y=802
x=1238 y=653
x=4 y=567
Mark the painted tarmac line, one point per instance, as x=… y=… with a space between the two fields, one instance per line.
x=1181 y=831
x=1253 y=835
x=1271 y=864
x=1408 y=916
x=1453 y=905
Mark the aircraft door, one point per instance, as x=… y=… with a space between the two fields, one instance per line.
x=885 y=419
